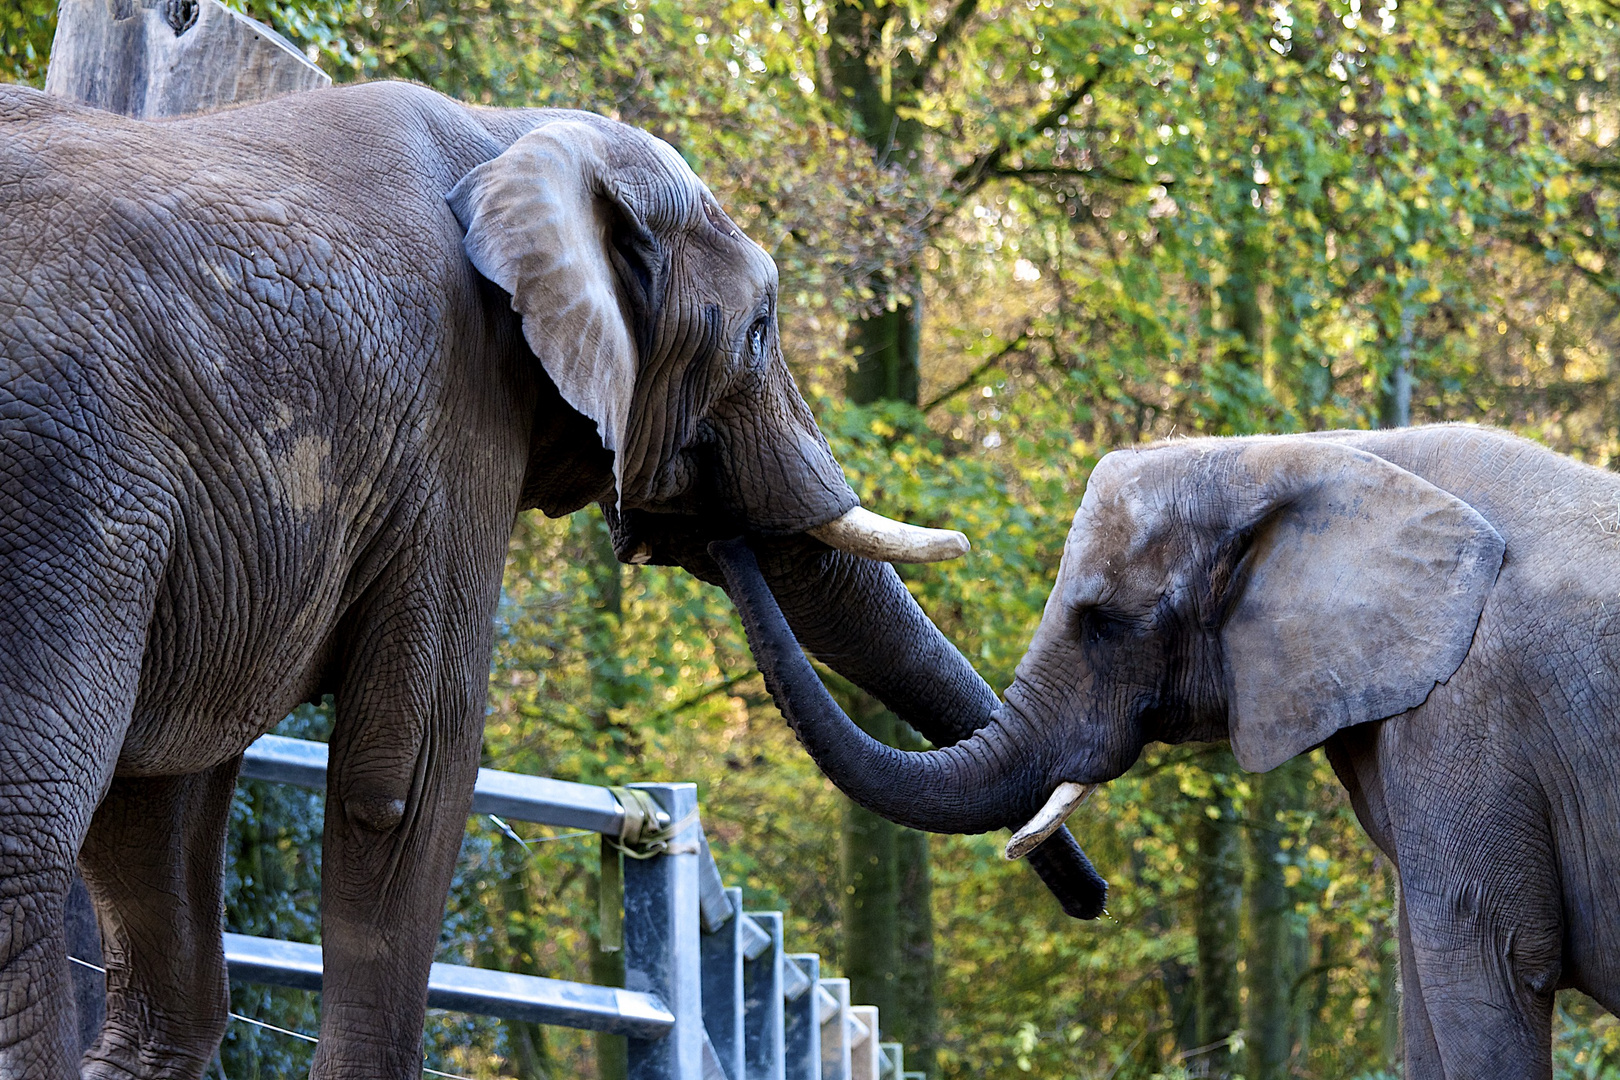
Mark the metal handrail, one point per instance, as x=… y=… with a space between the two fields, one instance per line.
x=747 y=1013
x=536 y=799
x=502 y=994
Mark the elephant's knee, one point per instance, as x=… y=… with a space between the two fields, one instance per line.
x=376 y=811
x=124 y=1052
x=1502 y=944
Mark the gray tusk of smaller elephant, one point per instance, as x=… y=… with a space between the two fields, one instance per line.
x=873 y=536
x=1064 y=800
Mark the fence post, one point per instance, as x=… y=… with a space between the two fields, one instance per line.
x=762 y=995
x=723 y=988
x=865 y=1057
x=802 y=1022
x=835 y=1056
x=661 y=946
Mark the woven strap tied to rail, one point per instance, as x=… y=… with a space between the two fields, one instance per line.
x=640 y=837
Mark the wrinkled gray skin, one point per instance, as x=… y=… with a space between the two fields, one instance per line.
x=263 y=433
x=1435 y=606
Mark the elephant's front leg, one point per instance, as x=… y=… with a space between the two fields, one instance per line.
x=1482 y=932
x=153 y=860
x=404 y=758
x=1420 y=1050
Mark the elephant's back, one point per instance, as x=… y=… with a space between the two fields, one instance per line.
x=371 y=163
x=270 y=313
x=301 y=240
x=1539 y=500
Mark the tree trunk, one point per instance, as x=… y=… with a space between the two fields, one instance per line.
x=607 y=969
x=1218 y=867
x=884 y=344
x=915 y=1017
x=1395 y=392
x=152 y=58
x=869 y=866
x=609 y=693
x=1240 y=294
x=610 y=690
x=885 y=347
x=1270 y=966
x=888 y=904
x=512 y=946
x=1387 y=947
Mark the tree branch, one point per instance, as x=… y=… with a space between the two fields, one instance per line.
x=947 y=34
x=1039 y=173
x=1599 y=168
x=703 y=695
x=1603 y=279
x=1013 y=346
x=972 y=176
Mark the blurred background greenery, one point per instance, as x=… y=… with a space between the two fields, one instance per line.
x=1014 y=235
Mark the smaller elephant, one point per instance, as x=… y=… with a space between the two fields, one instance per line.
x=1433 y=606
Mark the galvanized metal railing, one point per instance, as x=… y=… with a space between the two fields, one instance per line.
x=710 y=993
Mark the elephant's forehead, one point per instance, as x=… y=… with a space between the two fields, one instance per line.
x=666 y=168
x=1113 y=509
x=1116 y=539
x=738 y=270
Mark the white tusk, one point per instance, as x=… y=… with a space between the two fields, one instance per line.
x=1064 y=799
x=873 y=536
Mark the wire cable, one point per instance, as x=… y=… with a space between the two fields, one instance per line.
x=279 y=1030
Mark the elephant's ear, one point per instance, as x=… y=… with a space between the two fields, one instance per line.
x=548 y=222
x=1360 y=591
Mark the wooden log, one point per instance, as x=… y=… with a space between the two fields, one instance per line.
x=152 y=58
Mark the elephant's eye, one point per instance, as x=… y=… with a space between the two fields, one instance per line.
x=757 y=335
x=1095 y=625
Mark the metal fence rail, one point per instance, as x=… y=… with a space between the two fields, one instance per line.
x=710 y=992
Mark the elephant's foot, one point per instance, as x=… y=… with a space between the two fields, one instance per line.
x=121 y=1054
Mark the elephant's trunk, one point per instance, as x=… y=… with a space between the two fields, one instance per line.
x=988 y=781
x=857 y=617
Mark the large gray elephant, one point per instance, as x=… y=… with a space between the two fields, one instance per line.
x=264 y=429
x=1435 y=606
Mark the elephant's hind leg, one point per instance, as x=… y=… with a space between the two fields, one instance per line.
x=63 y=712
x=48 y=788
x=153 y=861
x=81 y=555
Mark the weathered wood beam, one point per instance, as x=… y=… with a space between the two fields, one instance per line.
x=152 y=58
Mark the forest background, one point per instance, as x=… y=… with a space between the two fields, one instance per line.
x=1012 y=236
